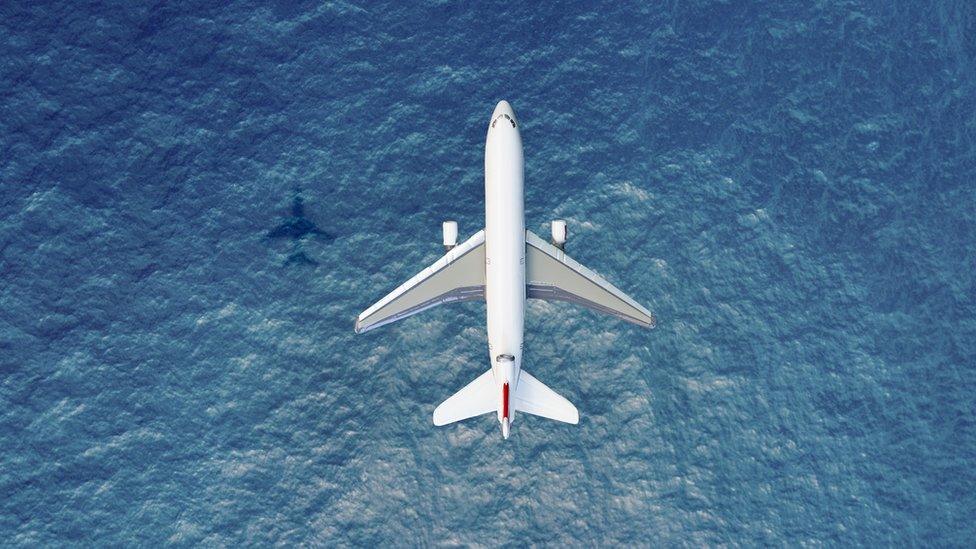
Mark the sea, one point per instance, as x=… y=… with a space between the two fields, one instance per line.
x=198 y=198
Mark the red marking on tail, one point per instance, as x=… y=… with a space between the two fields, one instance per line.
x=505 y=400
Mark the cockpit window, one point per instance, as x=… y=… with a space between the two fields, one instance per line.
x=500 y=116
x=505 y=358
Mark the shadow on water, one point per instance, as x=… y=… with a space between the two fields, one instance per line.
x=297 y=227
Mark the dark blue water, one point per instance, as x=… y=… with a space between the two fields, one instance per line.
x=790 y=187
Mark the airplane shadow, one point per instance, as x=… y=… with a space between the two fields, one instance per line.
x=297 y=227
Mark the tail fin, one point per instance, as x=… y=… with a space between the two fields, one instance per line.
x=533 y=397
x=476 y=398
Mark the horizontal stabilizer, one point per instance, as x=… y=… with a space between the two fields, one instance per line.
x=476 y=398
x=533 y=397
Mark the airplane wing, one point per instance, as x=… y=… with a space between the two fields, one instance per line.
x=552 y=275
x=458 y=276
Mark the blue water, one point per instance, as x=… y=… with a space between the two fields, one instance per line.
x=788 y=185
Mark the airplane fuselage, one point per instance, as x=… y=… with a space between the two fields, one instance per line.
x=504 y=255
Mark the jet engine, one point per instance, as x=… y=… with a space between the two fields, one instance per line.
x=450 y=234
x=559 y=233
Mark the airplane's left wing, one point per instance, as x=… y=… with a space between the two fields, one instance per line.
x=458 y=276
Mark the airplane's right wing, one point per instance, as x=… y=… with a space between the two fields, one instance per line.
x=458 y=276
x=552 y=275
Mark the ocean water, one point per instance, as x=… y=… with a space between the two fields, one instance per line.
x=789 y=186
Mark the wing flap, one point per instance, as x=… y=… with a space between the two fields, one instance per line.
x=552 y=275
x=458 y=276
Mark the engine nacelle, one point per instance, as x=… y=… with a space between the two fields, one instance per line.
x=559 y=233
x=450 y=234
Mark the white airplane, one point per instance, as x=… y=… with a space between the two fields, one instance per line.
x=504 y=264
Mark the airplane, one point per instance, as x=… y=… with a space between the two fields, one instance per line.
x=504 y=264
x=297 y=227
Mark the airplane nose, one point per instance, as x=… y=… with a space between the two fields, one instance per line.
x=503 y=114
x=505 y=428
x=503 y=107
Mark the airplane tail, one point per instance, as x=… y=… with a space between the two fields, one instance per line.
x=533 y=397
x=476 y=398
x=481 y=397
